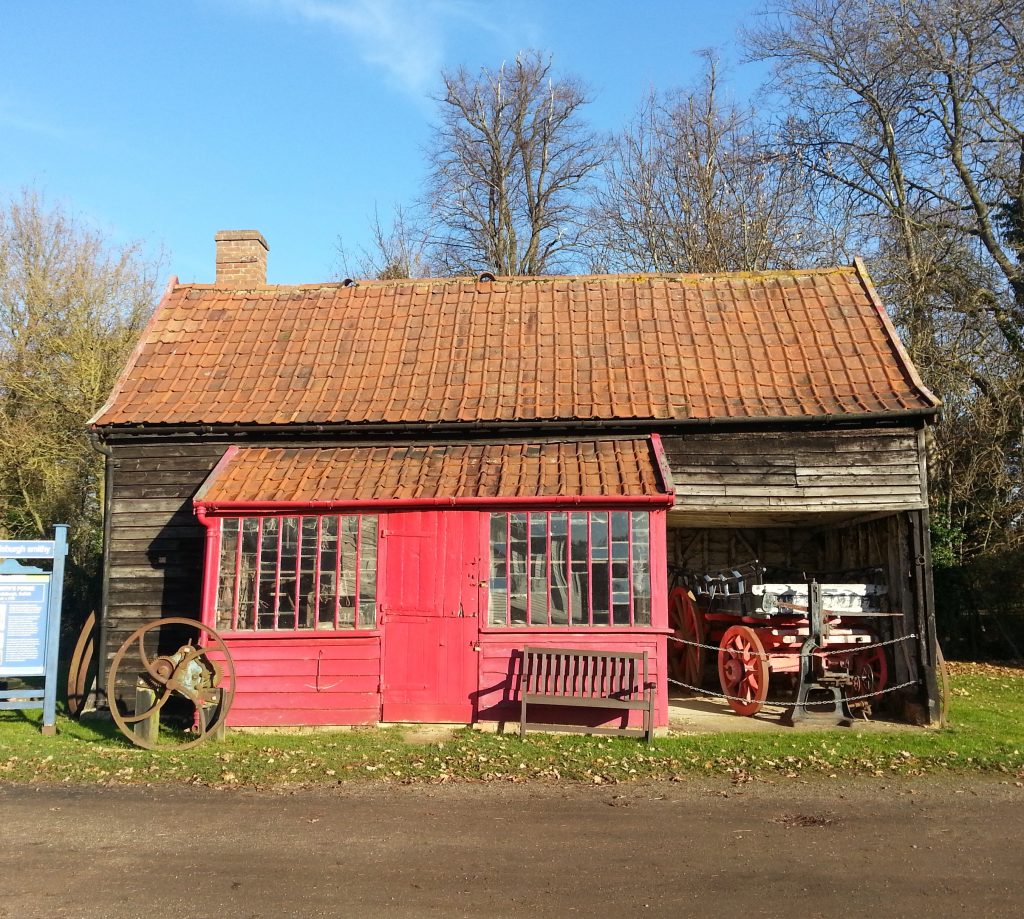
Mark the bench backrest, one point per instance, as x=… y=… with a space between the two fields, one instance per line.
x=584 y=674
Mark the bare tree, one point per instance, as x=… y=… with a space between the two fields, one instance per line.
x=695 y=185
x=508 y=169
x=398 y=249
x=71 y=307
x=908 y=116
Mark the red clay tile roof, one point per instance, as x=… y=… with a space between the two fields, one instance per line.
x=325 y=475
x=777 y=345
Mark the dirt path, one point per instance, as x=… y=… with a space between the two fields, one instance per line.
x=926 y=848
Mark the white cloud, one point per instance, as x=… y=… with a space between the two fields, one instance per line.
x=405 y=39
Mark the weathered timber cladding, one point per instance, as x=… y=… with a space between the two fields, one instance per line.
x=860 y=471
x=155 y=556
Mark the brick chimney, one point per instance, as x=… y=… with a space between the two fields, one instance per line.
x=241 y=258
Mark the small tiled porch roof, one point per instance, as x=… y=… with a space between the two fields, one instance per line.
x=778 y=345
x=452 y=473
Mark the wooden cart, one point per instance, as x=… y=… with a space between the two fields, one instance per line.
x=810 y=631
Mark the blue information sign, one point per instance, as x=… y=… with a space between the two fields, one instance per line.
x=23 y=608
x=30 y=606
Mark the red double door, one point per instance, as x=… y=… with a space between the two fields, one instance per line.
x=429 y=607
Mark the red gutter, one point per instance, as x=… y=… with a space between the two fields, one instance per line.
x=203 y=508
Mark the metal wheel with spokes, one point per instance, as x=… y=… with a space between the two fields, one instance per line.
x=189 y=671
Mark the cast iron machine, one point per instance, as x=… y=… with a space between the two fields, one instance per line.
x=184 y=679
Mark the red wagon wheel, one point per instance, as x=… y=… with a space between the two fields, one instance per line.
x=743 y=670
x=870 y=671
x=686 y=662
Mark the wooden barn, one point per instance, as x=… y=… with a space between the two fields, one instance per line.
x=380 y=492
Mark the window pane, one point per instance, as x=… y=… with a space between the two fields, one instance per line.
x=497 y=584
x=226 y=576
x=559 y=566
x=287 y=582
x=620 y=567
x=517 y=569
x=347 y=587
x=268 y=573
x=620 y=602
x=307 y=573
x=368 y=573
x=249 y=572
x=327 y=590
x=599 y=568
x=580 y=569
x=641 y=568
x=538 y=569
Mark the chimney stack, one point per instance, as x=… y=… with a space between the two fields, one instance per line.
x=241 y=258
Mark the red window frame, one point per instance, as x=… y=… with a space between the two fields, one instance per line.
x=353 y=569
x=570 y=623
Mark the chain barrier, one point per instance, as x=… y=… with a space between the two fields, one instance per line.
x=697 y=644
x=821 y=652
x=829 y=702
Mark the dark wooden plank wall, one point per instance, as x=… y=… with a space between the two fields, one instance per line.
x=859 y=471
x=155 y=556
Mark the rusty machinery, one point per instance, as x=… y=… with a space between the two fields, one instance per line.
x=182 y=677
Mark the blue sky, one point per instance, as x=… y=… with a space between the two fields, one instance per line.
x=163 y=122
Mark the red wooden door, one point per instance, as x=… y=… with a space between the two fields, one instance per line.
x=429 y=604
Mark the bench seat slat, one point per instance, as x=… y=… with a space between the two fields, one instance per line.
x=576 y=702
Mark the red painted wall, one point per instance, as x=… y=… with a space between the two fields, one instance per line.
x=309 y=680
x=333 y=678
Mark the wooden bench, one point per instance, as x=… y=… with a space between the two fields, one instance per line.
x=587 y=679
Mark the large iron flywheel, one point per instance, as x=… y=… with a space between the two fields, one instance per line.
x=171 y=684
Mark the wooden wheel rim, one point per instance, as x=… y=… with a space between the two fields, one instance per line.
x=686 y=662
x=743 y=670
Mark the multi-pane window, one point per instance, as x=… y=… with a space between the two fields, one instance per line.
x=288 y=573
x=576 y=568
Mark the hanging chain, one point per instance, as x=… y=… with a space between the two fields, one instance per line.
x=830 y=702
x=821 y=652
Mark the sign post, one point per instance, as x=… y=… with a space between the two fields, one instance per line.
x=30 y=608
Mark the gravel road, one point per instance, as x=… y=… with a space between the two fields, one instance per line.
x=866 y=848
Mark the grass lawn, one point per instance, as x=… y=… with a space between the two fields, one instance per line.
x=986 y=734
